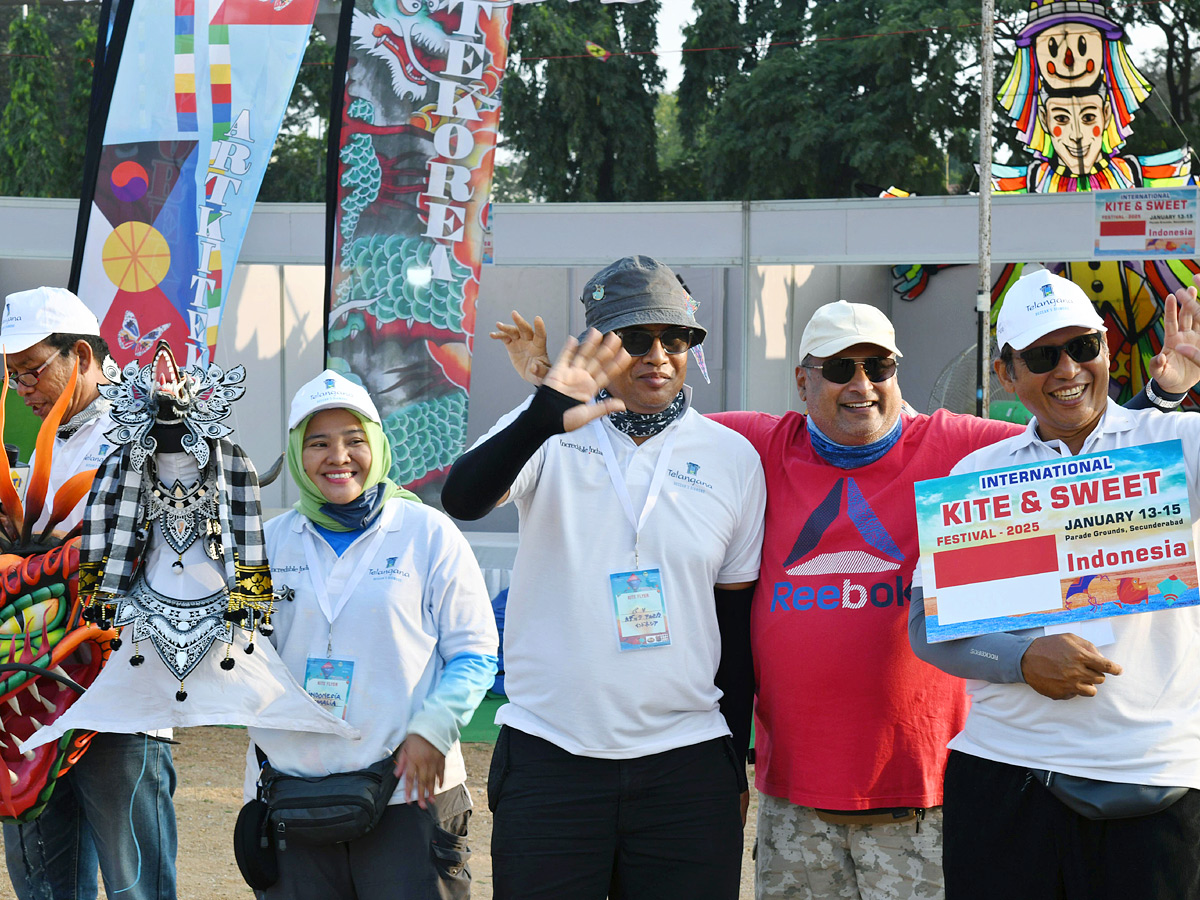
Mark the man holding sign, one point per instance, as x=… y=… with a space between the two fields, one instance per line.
x=1078 y=769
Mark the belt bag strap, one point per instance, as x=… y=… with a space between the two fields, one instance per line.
x=1107 y=799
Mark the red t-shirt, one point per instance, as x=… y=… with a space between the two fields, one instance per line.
x=846 y=716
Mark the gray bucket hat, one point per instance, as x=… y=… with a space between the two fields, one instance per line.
x=637 y=290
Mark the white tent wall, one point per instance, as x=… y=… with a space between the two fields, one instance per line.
x=790 y=256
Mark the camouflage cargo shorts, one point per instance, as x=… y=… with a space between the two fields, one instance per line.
x=801 y=857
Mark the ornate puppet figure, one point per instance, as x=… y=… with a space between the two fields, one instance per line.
x=172 y=553
x=48 y=651
x=176 y=476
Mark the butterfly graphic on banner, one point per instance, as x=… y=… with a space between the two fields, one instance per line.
x=131 y=338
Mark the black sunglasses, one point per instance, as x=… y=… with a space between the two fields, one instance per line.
x=638 y=341
x=840 y=369
x=1040 y=360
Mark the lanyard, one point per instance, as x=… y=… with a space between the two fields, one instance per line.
x=618 y=480
x=316 y=574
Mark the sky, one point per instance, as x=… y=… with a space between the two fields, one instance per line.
x=671 y=19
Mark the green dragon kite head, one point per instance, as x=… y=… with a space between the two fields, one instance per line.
x=48 y=653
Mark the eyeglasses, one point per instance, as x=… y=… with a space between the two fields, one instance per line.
x=638 y=341
x=1040 y=360
x=840 y=369
x=31 y=378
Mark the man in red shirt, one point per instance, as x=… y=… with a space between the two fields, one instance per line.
x=851 y=728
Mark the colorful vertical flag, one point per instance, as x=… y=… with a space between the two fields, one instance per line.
x=192 y=95
x=412 y=143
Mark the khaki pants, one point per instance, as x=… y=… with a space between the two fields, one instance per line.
x=801 y=857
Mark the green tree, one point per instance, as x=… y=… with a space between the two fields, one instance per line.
x=584 y=128
x=836 y=99
x=678 y=157
x=30 y=149
x=297 y=169
x=43 y=126
x=1171 y=117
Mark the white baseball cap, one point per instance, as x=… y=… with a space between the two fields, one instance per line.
x=1040 y=303
x=329 y=390
x=32 y=316
x=836 y=326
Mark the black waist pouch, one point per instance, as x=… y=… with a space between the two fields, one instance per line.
x=329 y=809
x=1107 y=799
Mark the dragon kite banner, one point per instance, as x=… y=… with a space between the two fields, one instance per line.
x=191 y=97
x=414 y=138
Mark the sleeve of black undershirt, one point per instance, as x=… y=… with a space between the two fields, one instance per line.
x=735 y=673
x=483 y=475
x=1139 y=400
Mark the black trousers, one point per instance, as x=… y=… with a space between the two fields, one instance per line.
x=412 y=854
x=578 y=828
x=1006 y=836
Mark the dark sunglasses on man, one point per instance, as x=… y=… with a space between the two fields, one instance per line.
x=1040 y=360
x=840 y=369
x=638 y=341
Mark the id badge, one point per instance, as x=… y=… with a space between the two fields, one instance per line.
x=328 y=682
x=640 y=608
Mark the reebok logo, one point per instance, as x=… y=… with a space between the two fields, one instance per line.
x=877 y=554
x=881 y=554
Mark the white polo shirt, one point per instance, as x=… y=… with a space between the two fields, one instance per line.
x=83 y=450
x=419 y=601
x=1143 y=726
x=568 y=681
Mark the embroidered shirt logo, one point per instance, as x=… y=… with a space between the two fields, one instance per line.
x=693 y=468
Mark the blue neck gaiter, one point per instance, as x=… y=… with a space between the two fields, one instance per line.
x=852 y=457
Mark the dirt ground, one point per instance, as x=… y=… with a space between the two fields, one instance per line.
x=210 y=762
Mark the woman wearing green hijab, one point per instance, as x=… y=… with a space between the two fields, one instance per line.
x=391 y=629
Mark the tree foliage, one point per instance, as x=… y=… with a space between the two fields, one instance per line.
x=1171 y=117
x=584 y=128
x=297 y=169
x=43 y=128
x=837 y=99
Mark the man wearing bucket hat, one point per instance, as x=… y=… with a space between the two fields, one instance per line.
x=1077 y=771
x=614 y=772
x=849 y=766
x=114 y=807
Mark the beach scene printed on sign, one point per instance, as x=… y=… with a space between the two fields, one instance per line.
x=1057 y=542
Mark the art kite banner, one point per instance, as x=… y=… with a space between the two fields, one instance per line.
x=411 y=161
x=191 y=97
x=1057 y=543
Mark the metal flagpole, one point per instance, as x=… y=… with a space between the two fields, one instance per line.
x=983 y=300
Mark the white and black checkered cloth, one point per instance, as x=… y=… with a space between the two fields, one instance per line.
x=113 y=542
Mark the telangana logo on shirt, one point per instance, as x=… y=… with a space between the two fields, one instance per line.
x=876 y=554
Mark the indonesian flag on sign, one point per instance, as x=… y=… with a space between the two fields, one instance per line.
x=597 y=51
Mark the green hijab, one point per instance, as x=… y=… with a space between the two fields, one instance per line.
x=312 y=500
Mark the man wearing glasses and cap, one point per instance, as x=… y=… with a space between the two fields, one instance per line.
x=1077 y=772
x=122 y=779
x=851 y=735
x=615 y=774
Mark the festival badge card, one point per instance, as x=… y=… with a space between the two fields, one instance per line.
x=640 y=609
x=1054 y=544
x=328 y=682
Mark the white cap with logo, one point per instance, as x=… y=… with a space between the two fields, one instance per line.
x=32 y=316
x=836 y=326
x=329 y=390
x=1040 y=303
